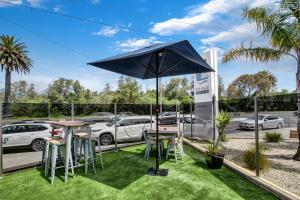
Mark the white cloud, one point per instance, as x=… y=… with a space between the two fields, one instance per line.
x=57 y=8
x=134 y=44
x=95 y=1
x=35 y=3
x=17 y=2
x=108 y=31
x=236 y=33
x=202 y=14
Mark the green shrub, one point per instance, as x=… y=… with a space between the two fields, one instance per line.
x=213 y=149
x=249 y=158
x=273 y=137
x=222 y=120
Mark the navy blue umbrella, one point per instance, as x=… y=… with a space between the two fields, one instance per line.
x=159 y=60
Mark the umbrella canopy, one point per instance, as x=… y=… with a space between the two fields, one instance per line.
x=159 y=60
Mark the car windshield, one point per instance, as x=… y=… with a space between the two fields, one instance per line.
x=260 y=117
x=112 y=122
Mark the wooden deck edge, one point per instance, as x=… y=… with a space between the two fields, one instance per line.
x=260 y=182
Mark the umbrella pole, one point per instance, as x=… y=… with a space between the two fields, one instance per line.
x=156 y=171
x=157 y=110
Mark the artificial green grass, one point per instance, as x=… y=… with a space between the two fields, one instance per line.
x=125 y=177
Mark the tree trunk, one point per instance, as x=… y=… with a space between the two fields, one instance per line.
x=297 y=155
x=7 y=92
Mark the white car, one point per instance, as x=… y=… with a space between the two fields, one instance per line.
x=26 y=134
x=128 y=129
x=265 y=121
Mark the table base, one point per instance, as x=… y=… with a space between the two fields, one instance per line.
x=160 y=172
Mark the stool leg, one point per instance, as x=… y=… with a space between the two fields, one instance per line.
x=46 y=157
x=175 y=153
x=85 y=156
x=99 y=147
x=53 y=160
x=75 y=141
x=168 y=151
x=91 y=154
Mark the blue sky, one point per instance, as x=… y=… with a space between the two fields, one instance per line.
x=61 y=47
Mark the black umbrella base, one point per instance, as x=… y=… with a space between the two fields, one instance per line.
x=160 y=172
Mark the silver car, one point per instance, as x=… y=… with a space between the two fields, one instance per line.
x=265 y=121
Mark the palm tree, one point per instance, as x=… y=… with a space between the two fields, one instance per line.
x=282 y=27
x=13 y=57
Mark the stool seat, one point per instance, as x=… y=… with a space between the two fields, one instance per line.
x=59 y=141
x=48 y=139
x=80 y=135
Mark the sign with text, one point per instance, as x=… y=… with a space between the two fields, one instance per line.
x=205 y=86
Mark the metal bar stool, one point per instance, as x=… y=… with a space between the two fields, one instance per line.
x=83 y=140
x=54 y=145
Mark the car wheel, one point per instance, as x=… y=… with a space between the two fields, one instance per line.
x=260 y=127
x=106 y=139
x=279 y=126
x=37 y=145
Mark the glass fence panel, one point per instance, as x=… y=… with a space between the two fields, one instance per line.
x=132 y=121
x=24 y=127
x=278 y=116
x=237 y=140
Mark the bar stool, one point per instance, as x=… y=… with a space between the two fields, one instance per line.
x=82 y=140
x=151 y=141
x=175 y=144
x=54 y=144
x=46 y=151
x=96 y=140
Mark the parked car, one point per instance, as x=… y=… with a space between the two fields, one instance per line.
x=128 y=129
x=168 y=117
x=100 y=117
x=27 y=134
x=265 y=121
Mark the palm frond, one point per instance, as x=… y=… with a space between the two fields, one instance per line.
x=262 y=54
x=14 y=55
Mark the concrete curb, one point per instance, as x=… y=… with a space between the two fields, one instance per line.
x=260 y=182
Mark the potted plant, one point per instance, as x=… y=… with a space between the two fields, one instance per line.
x=214 y=157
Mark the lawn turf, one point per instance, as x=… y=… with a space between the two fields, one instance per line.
x=125 y=177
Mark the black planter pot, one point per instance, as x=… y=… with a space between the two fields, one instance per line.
x=214 y=161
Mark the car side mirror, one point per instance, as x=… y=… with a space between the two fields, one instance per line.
x=266 y=120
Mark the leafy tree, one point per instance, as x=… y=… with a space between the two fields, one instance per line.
x=177 y=89
x=13 y=57
x=282 y=27
x=128 y=90
x=248 y=85
x=21 y=91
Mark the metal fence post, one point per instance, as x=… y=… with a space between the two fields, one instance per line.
x=72 y=111
x=213 y=118
x=191 y=109
x=49 y=110
x=150 y=114
x=1 y=148
x=256 y=137
x=116 y=129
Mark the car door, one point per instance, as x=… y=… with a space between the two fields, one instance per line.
x=38 y=131
x=23 y=133
x=137 y=128
x=274 y=121
x=9 y=136
x=268 y=122
x=124 y=129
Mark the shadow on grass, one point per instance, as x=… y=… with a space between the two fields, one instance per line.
x=120 y=169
